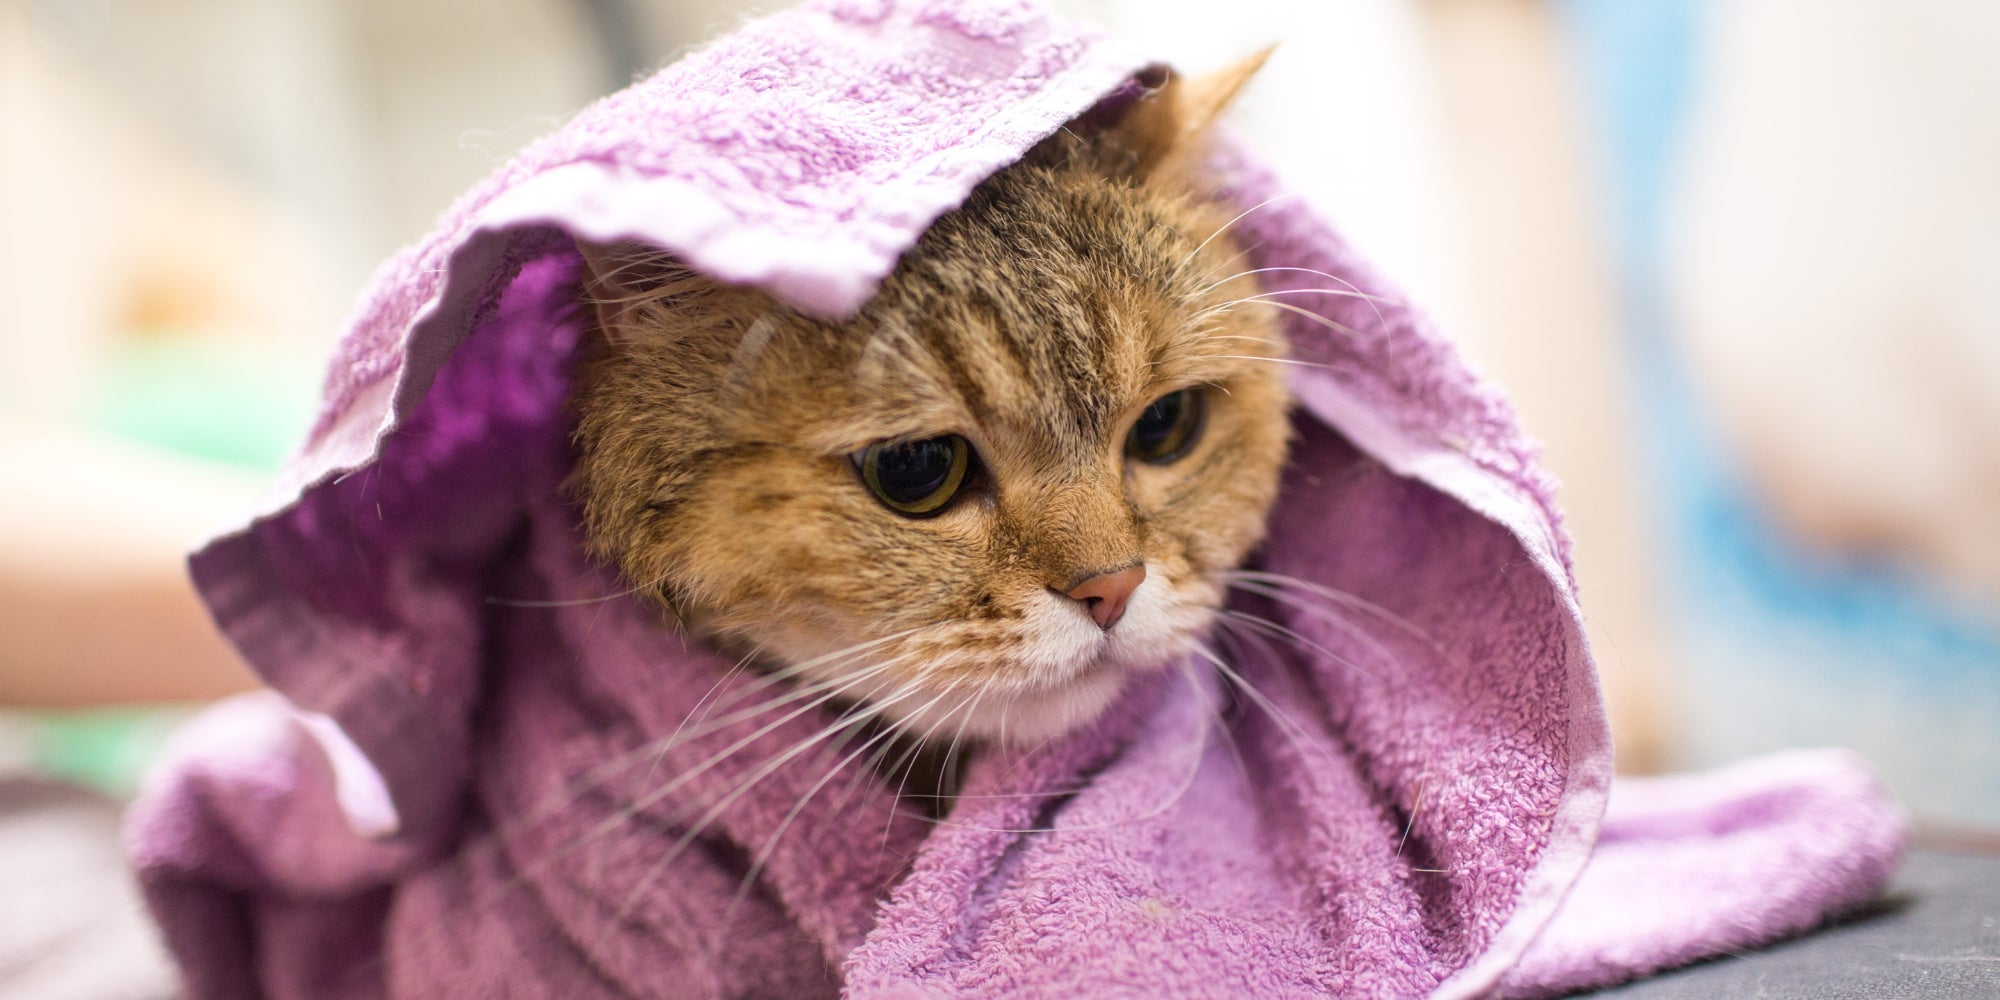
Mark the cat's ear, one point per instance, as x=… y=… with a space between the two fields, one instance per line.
x=624 y=282
x=1164 y=128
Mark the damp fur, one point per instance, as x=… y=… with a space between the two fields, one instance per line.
x=716 y=430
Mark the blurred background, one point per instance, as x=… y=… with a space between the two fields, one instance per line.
x=1738 y=264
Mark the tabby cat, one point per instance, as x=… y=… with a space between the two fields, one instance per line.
x=1011 y=483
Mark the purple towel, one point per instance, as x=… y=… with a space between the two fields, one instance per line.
x=478 y=772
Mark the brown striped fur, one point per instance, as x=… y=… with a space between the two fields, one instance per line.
x=715 y=429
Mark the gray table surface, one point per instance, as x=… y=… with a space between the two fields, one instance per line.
x=1935 y=935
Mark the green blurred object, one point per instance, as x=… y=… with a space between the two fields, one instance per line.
x=106 y=749
x=223 y=400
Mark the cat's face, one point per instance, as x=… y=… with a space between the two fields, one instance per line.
x=1055 y=406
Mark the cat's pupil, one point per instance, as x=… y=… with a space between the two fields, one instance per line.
x=911 y=472
x=1166 y=429
x=916 y=477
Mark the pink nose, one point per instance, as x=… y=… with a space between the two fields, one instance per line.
x=1105 y=594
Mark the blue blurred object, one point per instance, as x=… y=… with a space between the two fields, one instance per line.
x=1778 y=645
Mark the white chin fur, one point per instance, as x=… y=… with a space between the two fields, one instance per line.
x=1072 y=673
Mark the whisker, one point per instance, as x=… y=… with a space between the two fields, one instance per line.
x=1190 y=296
x=1298 y=602
x=945 y=764
x=1265 y=298
x=792 y=670
x=1300 y=738
x=1247 y=620
x=683 y=733
x=1353 y=289
x=1338 y=293
x=970 y=709
x=607 y=770
x=1203 y=245
x=844 y=722
x=1206 y=722
x=749 y=351
x=819 y=695
x=626 y=813
x=1415 y=808
x=851 y=718
x=509 y=602
x=791 y=694
x=905 y=764
x=1309 y=316
x=699 y=709
x=1228 y=732
x=873 y=769
x=771 y=843
x=1282 y=581
x=1219 y=282
x=651 y=798
x=1279 y=361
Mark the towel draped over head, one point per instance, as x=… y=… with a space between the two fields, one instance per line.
x=490 y=770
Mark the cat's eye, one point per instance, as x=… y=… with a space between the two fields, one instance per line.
x=1167 y=429
x=916 y=478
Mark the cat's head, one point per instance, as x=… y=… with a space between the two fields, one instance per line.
x=1005 y=487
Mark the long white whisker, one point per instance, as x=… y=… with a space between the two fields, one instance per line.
x=854 y=715
x=1299 y=736
x=1244 y=619
x=1338 y=293
x=1264 y=298
x=841 y=655
x=1308 y=315
x=1203 y=245
x=908 y=760
x=699 y=709
x=765 y=770
x=1199 y=743
x=509 y=602
x=658 y=749
x=1277 y=361
x=771 y=843
x=968 y=708
x=1374 y=301
x=1297 y=602
x=791 y=694
x=1415 y=807
x=1283 y=582
x=649 y=799
x=627 y=812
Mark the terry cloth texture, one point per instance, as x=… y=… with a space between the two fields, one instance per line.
x=477 y=773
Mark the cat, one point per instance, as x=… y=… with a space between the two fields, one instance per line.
x=1008 y=485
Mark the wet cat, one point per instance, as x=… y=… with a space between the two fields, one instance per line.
x=1007 y=486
